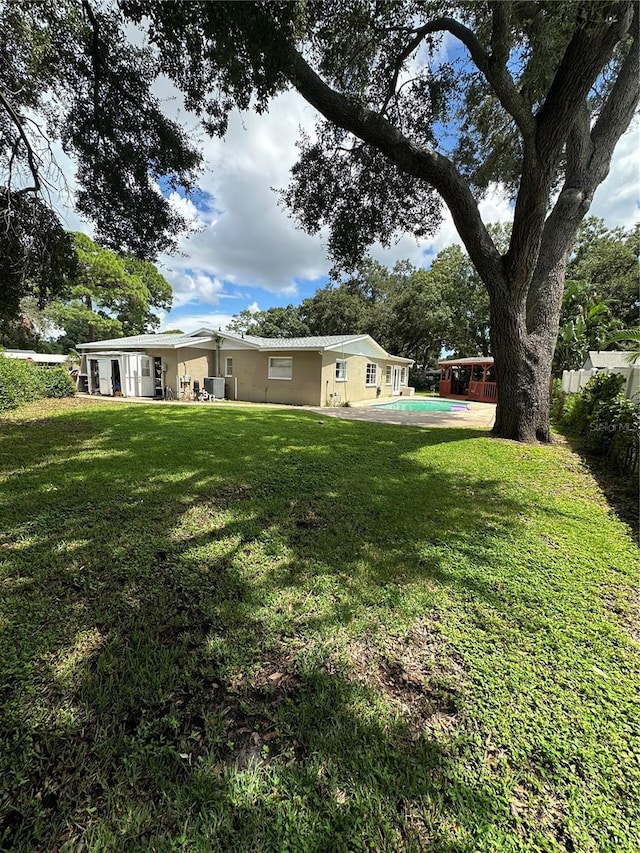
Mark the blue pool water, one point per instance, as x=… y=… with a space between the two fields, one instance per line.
x=424 y=406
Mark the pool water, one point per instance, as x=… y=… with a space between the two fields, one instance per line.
x=424 y=406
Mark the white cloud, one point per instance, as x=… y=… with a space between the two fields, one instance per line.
x=253 y=308
x=196 y=286
x=617 y=199
x=197 y=320
x=250 y=239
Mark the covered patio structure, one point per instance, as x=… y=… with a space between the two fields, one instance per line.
x=468 y=379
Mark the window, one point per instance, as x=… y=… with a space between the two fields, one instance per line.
x=146 y=367
x=403 y=376
x=280 y=368
x=387 y=374
x=228 y=366
x=372 y=373
x=341 y=371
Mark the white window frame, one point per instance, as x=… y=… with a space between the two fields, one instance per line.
x=227 y=372
x=281 y=358
x=403 y=375
x=388 y=374
x=341 y=374
x=371 y=374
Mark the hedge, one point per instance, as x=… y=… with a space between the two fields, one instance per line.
x=21 y=382
x=607 y=422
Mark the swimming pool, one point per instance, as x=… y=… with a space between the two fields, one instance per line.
x=424 y=406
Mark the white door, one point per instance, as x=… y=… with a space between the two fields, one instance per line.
x=395 y=388
x=147 y=379
x=104 y=376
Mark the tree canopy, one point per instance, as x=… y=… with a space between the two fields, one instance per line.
x=533 y=96
x=110 y=296
x=421 y=103
x=71 y=77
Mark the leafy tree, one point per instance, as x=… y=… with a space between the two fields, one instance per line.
x=272 y=323
x=536 y=99
x=69 y=74
x=607 y=258
x=586 y=323
x=402 y=309
x=466 y=332
x=36 y=253
x=110 y=296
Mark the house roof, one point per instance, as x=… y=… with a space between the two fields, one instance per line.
x=615 y=358
x=147 y=342
x=37 y=357
x=320 y=342
x=205 y=336
x=478 y=359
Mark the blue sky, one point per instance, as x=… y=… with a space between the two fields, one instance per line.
x=246 y=252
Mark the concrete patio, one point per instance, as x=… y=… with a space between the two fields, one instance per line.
x=478 y=416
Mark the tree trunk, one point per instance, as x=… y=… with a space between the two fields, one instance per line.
x=523 y=340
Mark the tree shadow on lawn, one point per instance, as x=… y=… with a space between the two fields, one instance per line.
x=620 y=490
x=160 y=629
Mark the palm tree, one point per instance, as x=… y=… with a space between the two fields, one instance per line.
x=631 y=337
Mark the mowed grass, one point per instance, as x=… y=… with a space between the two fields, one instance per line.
x=266 y=630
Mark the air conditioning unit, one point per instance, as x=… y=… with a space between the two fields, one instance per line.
x=214 y=386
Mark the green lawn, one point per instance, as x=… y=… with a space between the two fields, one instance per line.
x=262 y=630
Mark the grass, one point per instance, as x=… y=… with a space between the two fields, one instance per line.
x=263 y=630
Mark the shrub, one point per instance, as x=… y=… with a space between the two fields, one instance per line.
x=57 y=382
x=20 y=382
x=557 y=401
x=605 y=419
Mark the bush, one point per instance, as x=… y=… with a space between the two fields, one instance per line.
x=606 y=420
x=20 y=382
x=57 y=382
x=557 y=401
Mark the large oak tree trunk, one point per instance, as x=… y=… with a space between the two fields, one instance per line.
x=523 y=337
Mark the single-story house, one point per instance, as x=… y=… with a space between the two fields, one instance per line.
x=610 y=361
x=312 y=371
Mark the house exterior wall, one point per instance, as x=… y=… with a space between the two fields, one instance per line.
x=251 y=375
x=195 y=362
x=355 y=387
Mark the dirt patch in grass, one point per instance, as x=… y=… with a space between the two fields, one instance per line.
x=419 y=674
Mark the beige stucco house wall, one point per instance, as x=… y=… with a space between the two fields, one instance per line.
x=359 y=383
x=312 y=371
x=196 y=363
x=250 y=379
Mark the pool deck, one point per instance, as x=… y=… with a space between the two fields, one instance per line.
x=478 y=415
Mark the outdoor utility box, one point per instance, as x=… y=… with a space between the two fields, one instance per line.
x=214 y=385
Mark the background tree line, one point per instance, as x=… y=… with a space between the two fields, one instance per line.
x=420 y=313
x=416 y=313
